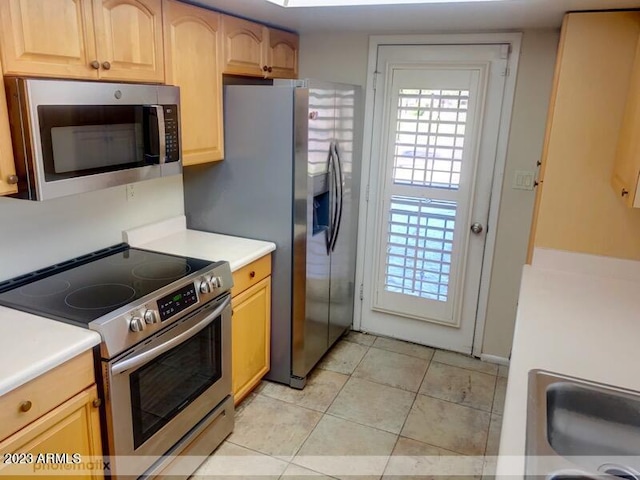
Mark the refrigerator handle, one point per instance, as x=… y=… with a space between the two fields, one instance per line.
x=332 y=206
x=334 y=188
x=339 y=194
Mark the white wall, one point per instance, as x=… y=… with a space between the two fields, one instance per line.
x=36 y=234
x=343 y=58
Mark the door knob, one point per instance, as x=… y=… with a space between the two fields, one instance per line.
x=477 y=228
x=95 y=65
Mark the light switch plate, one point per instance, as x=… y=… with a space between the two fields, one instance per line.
x=523 y=179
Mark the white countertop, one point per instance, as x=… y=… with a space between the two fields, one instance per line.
x=172 y=236
x=31 y=345
x=578 y=315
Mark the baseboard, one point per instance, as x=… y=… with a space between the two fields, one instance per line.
x=494 y=359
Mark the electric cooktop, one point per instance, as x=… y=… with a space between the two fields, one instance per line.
x=88 y=287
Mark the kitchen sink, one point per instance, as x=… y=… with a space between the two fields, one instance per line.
x=581 y=429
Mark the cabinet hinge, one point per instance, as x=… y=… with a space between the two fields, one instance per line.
x=361 y=292
x=506 y=72
x=366 y=194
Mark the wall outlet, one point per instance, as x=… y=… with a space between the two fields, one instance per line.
x=131 y=192
x=523 y=180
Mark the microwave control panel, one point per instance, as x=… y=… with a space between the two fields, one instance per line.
x=172 y=136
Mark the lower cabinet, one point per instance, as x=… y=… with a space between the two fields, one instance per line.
x=51 y=425
x=70 y=431
x=251 y=332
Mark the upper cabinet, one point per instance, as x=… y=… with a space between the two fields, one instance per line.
x=192 y=53
x=255 y=50
x=244 y=47
x=8 y=178
x=129 y=39
x=282 y=54
x=84 y=39
x=626 y=170
x=591 y=132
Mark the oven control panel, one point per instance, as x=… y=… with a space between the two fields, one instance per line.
x=176 y=302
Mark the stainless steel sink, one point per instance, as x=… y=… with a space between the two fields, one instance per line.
x=581 y=429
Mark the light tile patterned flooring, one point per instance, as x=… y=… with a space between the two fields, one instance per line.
x=382 y=406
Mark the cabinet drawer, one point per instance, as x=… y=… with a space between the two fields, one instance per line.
x=251 y=274
x=44 y=393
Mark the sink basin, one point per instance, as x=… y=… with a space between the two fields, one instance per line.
x=581 y=429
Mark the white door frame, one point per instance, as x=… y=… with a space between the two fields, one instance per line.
x=368 y=197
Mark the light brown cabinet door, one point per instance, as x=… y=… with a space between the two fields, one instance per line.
x=73 y=427
x=282 y=54
x=251 y=337
x=626 y=169
x=8 y=177
x=50 y=38
x=244 y=47
x=192 y=53
x=129 y=39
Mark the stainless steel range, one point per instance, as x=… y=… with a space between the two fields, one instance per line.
x=165 y=355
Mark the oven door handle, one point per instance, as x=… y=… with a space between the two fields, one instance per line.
x=152 y=353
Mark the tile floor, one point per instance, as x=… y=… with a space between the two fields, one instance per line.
x=374 y=408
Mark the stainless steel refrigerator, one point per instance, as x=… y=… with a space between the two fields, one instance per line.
x=290 y=175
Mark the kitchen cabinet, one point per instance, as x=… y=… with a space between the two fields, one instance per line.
x=251 y=326
x=626 y=170
x=282 y=54
x=576 y=208
x=8 y=178
x=84 y=39
x=192 y=53
x=256 y=50
x=58 y=413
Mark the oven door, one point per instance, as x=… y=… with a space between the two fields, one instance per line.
x=159 y=390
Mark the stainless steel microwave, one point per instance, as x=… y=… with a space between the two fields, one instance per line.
x=72 y=137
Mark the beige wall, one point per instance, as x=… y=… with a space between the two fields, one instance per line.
x=343 y=58
x=579 y=209
x=37 y=234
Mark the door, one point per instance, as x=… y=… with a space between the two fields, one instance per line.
x=436 y=122
x=129 y=39
x=161 y=388
x=52 y=38
x=282 y=54
x=243 y=46
x=346 y=178
x=192 y=45
x=315 y=120
x=72 y=429
x=251 y=338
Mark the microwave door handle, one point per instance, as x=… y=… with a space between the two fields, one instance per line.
x=152 y=353
x=162 y=136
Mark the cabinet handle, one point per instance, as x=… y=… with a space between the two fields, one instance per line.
x=270 y=69
x=106 y=65
x=624 y=192
x=95 y=65
x=12 y=179
x=25 y=406
x=252 y=274
x=97 y=402
x=265 y=68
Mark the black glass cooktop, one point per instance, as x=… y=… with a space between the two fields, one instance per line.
x=88 y=287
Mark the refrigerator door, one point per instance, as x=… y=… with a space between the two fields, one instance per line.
x=343 y=253
x=314 y=128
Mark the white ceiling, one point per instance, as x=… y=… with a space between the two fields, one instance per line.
x=413 y=18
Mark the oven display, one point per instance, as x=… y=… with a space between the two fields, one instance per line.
x=177 y=301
